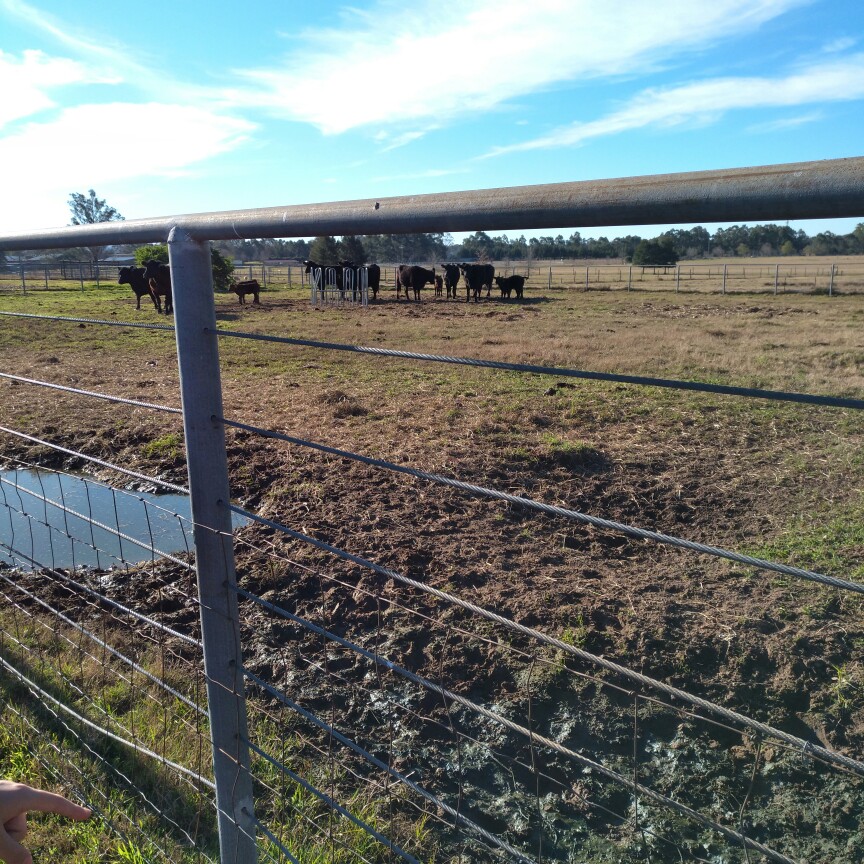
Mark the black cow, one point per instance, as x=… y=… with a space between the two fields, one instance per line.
x=373 y=276
x=373 y=272
x=249 y=286
x=451 y=279
x=158 y=277
x=134 y=276
x=414 y=277
x=439 y=286
x=511 y=283
x=476 y=276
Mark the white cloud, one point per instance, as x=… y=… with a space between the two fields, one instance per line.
x=705 y=101
x=442 y=58
x=786 y=123
x=26 y=82
x=92 y=146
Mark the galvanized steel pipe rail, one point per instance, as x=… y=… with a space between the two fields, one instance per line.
x=824 y=189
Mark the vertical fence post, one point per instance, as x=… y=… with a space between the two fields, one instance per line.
x=550 y=277
x=201 y=392
x=776 y=277
x=831 y=283
x=724 y=278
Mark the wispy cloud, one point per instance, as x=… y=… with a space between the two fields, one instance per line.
x=28 y=81
x=439 y=59
x=705 y=101
x=786 y=123
x=137 y=147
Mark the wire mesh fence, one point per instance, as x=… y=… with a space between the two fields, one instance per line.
x=723 y=277
x=373 y=710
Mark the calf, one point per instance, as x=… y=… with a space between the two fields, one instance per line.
x=413 y=277
x=476 y=276
x=158 y=277
x=511 y=283
x=249 y=286
x=439 y=286
x=134 y=276
x=451 y=279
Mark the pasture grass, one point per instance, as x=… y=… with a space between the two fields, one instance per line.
x=782 y=481
x=124 y=828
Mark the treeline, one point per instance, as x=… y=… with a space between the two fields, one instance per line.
x=739 y=240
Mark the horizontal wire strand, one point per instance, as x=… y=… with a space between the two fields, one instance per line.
x=804 y=746
x=553 y=510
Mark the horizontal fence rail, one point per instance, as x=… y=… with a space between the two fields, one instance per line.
x=275 y=692
x=802 y=190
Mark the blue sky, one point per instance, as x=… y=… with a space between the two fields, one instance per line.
x=165 y=107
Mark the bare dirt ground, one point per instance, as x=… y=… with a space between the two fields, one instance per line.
x=776 y=480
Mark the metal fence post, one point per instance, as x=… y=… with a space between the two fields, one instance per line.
x=201 y=392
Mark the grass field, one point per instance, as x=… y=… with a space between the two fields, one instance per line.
x=774 y=479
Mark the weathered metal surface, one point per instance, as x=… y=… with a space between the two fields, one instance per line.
x=803 y=190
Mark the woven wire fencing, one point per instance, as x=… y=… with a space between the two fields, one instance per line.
x=104 y=691
x=274 y=692
x=749 y=277
x=365 y=745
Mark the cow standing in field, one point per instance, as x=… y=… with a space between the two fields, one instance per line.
x=158 y=277
x=318 y=274
x=413 y=277
x=373 y=276
x=476 y=276
x=439 y=286
x=249 y=286
x=508 y=284
x=135 y=278
x=451 y=279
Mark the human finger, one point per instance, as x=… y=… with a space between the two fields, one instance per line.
x=11 y=851
x=16 y=827
x=50 y=802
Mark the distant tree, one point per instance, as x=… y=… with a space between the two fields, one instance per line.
x=660 y=252
x=788 y=248
x=222 y=269
x=324 y=250
x=90 y=210
x=351 y=249
x=155 y=252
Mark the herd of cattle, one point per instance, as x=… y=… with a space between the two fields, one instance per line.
x=154 y=280
x=413 y=278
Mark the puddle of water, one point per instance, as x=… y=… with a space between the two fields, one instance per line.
x=158 y=521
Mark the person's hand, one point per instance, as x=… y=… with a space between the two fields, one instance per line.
x=15 y=800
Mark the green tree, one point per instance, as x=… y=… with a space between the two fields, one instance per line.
x=324 y=250
x=351 y=249
x=659 y=252
x=788 y=248
x=222 y=269
x=155 y=252
x=90 y=210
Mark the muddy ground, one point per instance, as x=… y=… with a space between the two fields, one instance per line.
x=772 y=479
